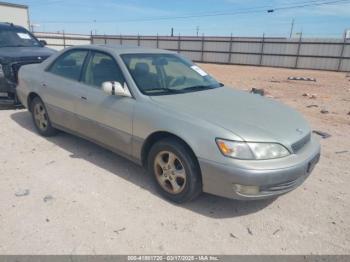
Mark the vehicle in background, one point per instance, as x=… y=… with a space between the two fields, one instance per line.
x=17 y=47
x=163 y=112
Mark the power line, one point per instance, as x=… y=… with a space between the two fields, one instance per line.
x=239 y=12
x=311 y=4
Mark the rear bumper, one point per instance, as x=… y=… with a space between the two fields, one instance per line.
x=266 y=180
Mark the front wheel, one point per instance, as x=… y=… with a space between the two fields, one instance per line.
x=41 y=118
x=175 y=170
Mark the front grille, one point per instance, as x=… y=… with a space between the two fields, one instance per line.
x=301 y=143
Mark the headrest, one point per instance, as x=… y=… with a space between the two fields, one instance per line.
x=68 y=62
x=107 y=63
x=142 y=68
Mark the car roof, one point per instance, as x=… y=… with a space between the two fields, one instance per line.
x=123 y=49
x=9 y=25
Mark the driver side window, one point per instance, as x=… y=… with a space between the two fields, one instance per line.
x=102 y=68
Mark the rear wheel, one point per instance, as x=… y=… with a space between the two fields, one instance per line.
x=175 y=170
x=41 y=118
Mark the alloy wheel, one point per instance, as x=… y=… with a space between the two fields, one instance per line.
x=40 y=116
x=170 y=172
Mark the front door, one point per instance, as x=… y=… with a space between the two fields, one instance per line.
x=106 y=119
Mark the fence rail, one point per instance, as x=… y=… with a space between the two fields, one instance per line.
x=61 y=40
x=301 y=53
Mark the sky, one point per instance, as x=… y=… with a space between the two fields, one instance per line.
x=208 y=17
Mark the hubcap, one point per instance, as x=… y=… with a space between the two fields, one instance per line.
x=40 y=116
x=170 y=172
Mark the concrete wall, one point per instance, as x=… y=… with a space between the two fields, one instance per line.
x=12 y=13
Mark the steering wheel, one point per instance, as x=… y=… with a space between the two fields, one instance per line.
x=177 y=81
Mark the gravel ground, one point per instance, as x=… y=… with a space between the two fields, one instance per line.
x=64 y=195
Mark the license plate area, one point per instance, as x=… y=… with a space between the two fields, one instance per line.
x=312 y=163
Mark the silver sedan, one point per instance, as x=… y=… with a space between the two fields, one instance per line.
x=161 y=111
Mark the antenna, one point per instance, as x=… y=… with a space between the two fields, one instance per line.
x=291 y=29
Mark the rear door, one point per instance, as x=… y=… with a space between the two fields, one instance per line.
x=105 y=118
x=60 y=86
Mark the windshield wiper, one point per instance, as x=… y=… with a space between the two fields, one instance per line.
x=162 y=90
x=196 y=88
x=183 y=90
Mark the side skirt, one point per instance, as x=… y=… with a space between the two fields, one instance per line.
x=114 y=150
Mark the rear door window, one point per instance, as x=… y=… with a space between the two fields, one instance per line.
x=69 y=65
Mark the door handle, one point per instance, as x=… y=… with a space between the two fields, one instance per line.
x=83 y=97
x=44 y=85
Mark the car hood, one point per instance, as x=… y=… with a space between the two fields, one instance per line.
x=14 y=54
x=251 y=117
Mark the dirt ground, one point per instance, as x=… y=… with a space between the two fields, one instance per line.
x=64 y=195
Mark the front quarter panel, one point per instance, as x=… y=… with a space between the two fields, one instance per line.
x=200 y=135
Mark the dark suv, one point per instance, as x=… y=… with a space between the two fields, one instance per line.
x=17 y=47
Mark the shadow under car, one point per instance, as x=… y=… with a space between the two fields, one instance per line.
x=207 y=205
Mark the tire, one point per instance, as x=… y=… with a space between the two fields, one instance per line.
x=41 y=118
x=174 y=170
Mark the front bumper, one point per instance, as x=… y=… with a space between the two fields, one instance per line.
x=7 y=93
x=270 y=177
x=8 y=83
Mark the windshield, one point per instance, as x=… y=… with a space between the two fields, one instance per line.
x=160 y=74
x=17 y=37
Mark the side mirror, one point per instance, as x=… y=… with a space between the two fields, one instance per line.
x=115 y=89
x=43 y=42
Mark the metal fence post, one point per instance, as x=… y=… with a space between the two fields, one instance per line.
x=121 y=39
x=91 y=38
x=262 y=50
x=202 y=49
x=179 y=44
x=341 y=54
x=157 y=40
x=298 y=51
x=105 y=38
x=138 y=40
x=64 y=39
x=230 y=50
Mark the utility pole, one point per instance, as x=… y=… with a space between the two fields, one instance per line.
x=172 y=32
x=32 y=27
x=291 y=29
x=95 y=27
x=197 y=29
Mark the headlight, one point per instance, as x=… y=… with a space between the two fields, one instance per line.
x=250 y=150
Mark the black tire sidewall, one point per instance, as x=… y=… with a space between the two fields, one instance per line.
x=193 y=186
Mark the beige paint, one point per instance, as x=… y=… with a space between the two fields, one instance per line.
x=14 y=14
x=104 y=204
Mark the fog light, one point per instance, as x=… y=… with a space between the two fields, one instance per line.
x=246 y=190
